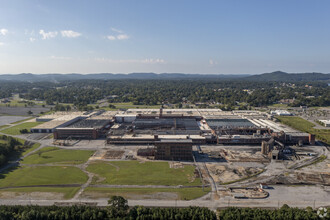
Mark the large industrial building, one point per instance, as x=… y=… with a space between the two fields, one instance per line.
x=173 y=132
x=147 y=126
x=57 y=120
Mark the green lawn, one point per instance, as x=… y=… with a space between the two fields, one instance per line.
x=305 y=126
x=132 y=193
x=17 y=122
x=4 y=126
x=33 y=147
x=58 y=155
x=19 y=103
x=68 y=192
x=148 y=173
x=43 y=175
x=15 y=129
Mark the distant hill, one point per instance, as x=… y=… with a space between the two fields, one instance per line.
x=54 y=77
x=274 y=76
x=280 y=76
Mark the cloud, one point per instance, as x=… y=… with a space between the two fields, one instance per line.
x=47 y=35
x=111 y=37
x=3 y=31
x=212 y=62
x=70 y=33
x=122 y=37
x=118 y=37
x=32 y=39
x=117 y=30
x=125 y=61
x=1 y=44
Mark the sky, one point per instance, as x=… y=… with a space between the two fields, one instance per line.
x=169 y=36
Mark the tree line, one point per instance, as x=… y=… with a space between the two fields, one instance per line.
x=8 y=147
x=81 y=93
x=285 y=212
x=118 y=209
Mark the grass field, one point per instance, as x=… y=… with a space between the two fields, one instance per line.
x=68 y=192
x=58 y=155
x=4 y=126
x=33 y=147
x=148 y=173
x=15 y=129
x=17 y=122
x=43 y=175
x=18 y=103
x=305 y=126
x=133 y=193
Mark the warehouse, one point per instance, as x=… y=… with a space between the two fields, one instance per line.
x=84 y=129
x=53 y=123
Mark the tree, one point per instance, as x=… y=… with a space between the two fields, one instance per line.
x=24 y=131
x=118 y=202
x=112 y=106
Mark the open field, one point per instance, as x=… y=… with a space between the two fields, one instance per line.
x=17 y=102
x=15 y=129
x=306 y=126
x=42 y=175
x=33 y=147
x=147 y=193
x=20 y=121
x=148 y=173
x=4 y=126
x=57 y=155
x=39 y=192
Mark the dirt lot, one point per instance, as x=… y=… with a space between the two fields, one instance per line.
x=243 y=156
x=128 y=195
x=113 y=154
x=108 y=154
x=230 y=172
x=31 y=195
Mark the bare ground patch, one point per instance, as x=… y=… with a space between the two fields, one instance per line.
x=31 y=195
